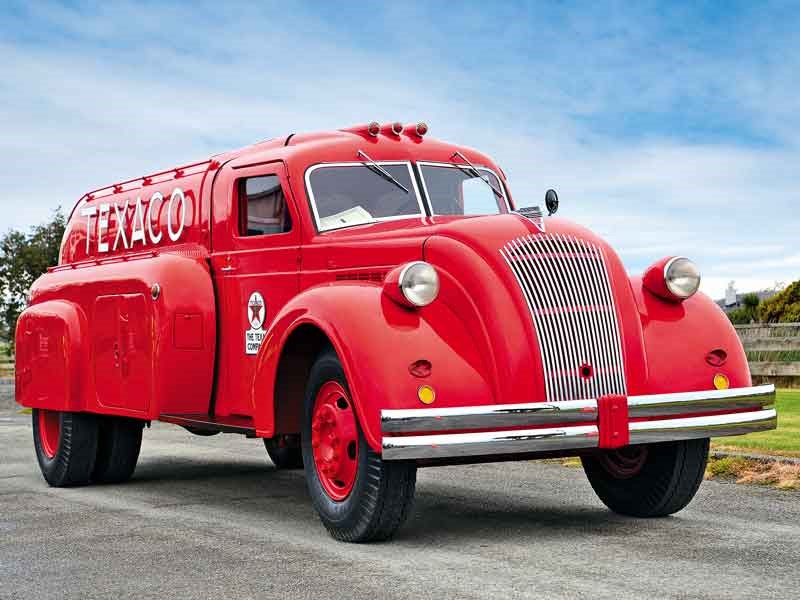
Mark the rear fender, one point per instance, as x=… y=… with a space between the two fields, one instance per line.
x=51 y=356
x=377 y=341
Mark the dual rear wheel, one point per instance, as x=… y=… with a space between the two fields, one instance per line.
x=80 y=448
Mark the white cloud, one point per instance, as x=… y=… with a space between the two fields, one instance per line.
x=124 y=90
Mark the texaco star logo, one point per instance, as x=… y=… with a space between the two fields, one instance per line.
x=256 y=310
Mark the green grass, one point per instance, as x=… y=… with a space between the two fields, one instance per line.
x=784 y=440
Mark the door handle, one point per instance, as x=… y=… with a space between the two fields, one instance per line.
x=228 y=269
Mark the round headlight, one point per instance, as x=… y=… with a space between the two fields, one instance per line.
x=681 y=277
x=419 y=283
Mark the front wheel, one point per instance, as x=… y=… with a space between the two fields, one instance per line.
x=358 y=496
x=655 y=480
x=66 y=446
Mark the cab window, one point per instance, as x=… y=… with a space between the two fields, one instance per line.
x=262 y=207
x=458 y=190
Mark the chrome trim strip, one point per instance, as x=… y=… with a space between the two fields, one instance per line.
x=645 y=432
x=492 y=416
x=496 y=416
x=762 y=396
x=487 y=443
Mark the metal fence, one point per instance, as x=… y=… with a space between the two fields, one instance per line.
x=773 y=351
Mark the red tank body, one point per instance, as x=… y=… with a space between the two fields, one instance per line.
x=205 y=296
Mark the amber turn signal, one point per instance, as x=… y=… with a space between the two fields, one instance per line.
x=426 y=394
x=721 y=382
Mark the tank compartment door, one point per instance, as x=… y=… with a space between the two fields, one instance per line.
x=122 y=347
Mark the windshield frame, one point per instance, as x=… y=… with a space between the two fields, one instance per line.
x=423 y=208
x=460 y=167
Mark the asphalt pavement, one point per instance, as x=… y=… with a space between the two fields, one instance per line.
x=212 y=518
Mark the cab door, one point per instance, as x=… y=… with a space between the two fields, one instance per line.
x=255 y=263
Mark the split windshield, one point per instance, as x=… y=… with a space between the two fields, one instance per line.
x=459 y=190
x=346 y=195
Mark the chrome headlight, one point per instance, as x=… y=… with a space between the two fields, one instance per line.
x=419 y=283
x=682 y=277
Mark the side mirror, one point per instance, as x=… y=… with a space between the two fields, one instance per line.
x=551 y=202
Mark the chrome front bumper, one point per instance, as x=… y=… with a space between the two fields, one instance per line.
x=572 y=425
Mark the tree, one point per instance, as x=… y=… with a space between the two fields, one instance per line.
x=748 y=312
x=783 y=307
x=23 y=258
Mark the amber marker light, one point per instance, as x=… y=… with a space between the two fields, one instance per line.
x=721 y=382
x=426 y=394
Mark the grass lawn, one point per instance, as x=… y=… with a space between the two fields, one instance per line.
x=784 y=440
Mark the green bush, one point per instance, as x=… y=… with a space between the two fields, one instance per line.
x=783 y=307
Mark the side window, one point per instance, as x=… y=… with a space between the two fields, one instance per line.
x=262 y=206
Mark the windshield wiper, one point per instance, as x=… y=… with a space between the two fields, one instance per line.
x=376 y=168
x=477 y=173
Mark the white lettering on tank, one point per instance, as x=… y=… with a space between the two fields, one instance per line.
x=177 y=193
x=121 y=217
x=102 y=227
x=137 y=232
x=153 y=237
x=88 y=212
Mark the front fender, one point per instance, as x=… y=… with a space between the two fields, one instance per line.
x=377 y=341
x=679 y=335
x=51 y=356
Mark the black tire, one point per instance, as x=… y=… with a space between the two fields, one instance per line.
x=284 y=458
x=119 y=442
x=383 y=492
x=200 y=432
x=74 y=460
x=665 y=483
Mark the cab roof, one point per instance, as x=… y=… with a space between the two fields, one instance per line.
x=310 y=148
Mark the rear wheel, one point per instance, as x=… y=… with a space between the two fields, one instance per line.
x=648 y=481
x=358 y=496
x=284 y=457
x=119 y=442
x=66 y=446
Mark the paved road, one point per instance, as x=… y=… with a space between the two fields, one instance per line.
x=211 y=518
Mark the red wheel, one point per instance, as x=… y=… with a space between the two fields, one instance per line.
x=358 y=496
x=334 y=440
x=50 y=431
x=625 y=462
x=66 y=446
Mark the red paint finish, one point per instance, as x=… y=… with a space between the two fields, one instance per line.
x=151 y=309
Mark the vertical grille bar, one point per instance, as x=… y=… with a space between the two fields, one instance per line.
x=566 y=286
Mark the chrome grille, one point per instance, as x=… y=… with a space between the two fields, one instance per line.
x=566 y=286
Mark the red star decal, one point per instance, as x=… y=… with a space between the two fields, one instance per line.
x=255 y=311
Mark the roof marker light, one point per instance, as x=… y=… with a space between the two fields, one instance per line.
x=416 y=130
x=392 y=129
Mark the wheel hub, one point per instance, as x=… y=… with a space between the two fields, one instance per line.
x=49 y=431
x=625 y=462
x=334 y=440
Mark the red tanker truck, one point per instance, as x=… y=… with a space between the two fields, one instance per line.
x=369 y=301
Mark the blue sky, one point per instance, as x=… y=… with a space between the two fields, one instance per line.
x=667 y=128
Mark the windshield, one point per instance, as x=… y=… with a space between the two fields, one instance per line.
x=457 y=190
x=343 y=195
